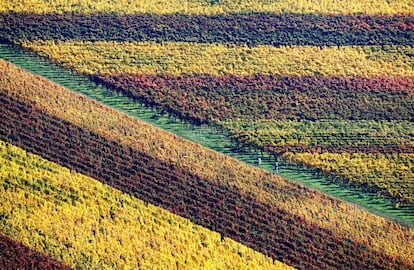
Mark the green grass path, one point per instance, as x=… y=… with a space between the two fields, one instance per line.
x=208 y=136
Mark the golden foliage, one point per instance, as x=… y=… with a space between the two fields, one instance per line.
x=392 y=174
x=215 y=59
x=344 y=219
x=210 y=7
x=88 y=225
x=321 y=133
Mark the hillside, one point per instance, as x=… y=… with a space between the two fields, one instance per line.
x=244 y=203
x=326 y=88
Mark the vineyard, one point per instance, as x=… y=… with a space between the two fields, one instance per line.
x=375 y=156
x=90 y=225
x=209 y=7
x=323 y=87
x=371 y=89
x=249 y=29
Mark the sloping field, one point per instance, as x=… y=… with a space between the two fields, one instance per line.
x=325 y=86
x=244 y=203
x=371 y=155
x=168 y=76
x=88 y=225
x=365 y=86
x=15 y=255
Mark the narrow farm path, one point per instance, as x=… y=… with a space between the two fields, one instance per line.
x=209 y=136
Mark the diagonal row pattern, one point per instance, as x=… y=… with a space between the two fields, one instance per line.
x=238 y=214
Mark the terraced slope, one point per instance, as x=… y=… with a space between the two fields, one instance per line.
x=246 y=204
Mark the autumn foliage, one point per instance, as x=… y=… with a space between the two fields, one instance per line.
x=231 y=201
x=323 y=86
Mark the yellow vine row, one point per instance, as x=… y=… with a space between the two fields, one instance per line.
x=88 y=225
x=217 y=59
x=392 y=173
x=210 y=7
x=343 y=219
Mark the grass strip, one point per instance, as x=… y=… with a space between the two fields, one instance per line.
x=167 y=148
x=179 y=58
